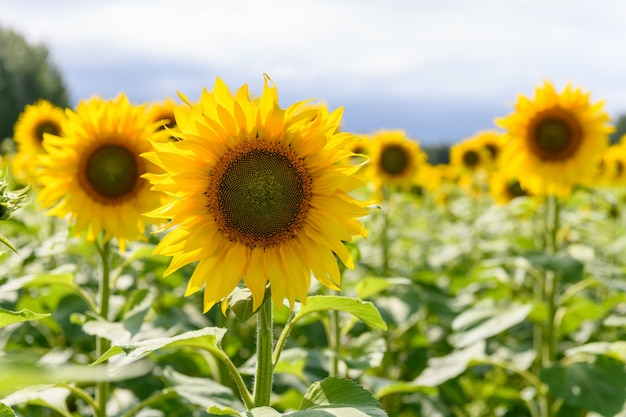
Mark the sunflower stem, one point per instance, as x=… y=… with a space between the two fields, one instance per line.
x=384 y=237
x=549 y=289
x=265 y=368
x=102 y=344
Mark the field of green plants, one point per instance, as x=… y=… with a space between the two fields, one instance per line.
x=457 y=305
x=462 y=301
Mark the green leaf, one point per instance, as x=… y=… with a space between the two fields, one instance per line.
x=208 y=339
x=486 y=322
x=6 y=411
x=337 y=391
x=339 y=397
x=363 y=310
x=203 y=392
x=569 y=268
x=18 y=373
x=370 y=286
x=47 y=396
x=8 y=317
x=597 y=385
x=7 y=243
x=442 y=369
x=219 y=411
x=616 y=349
x=263 y=412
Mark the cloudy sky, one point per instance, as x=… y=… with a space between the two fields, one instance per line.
x=440 y=70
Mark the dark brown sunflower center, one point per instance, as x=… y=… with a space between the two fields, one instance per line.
x=555 y=134
x=261 y=195
x=47 y=127
x=471 y=158
x=394 y=160
x=111 y=171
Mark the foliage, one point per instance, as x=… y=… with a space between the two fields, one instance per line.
x=451 y=328
x=27 y=74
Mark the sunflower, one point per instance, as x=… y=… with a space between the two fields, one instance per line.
x=395 y=159
x=611 y=167
x=258 y=194
x=93 y=172
x=492 y=141
x=36 y=120
x=555 y=139
x=162 y=112
x=503 y=188
x=471 y=154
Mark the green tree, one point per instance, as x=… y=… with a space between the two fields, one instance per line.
x=27 y=74
x=620 y=129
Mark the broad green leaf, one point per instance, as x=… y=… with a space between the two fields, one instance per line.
x=208 y=339
x=337 y=391
x=597 y=385
x=65 y=278
x=568 y=267
x=47 y=396
x=332 y=397
x=384 y=386
x=263 y=412
x=203 y=392
x=581 y=309
x=339 y=397
x=366 y=351
x=17 y=374
x=8 y=317
x=616 y=349
x=369 y=286
x=441 y=369
x=363 y=310
x=498 y=321
x=6 y=411
x=222 y=411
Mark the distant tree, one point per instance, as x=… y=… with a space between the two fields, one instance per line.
x=437 y=154
x=620 y=129
x=26 y=75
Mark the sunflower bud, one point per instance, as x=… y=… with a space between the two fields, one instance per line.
x=9 y=202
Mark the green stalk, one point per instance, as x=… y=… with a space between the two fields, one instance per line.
x=265 y=368
x=234 y=372
x=549 y=289
x=102 y=344
x=334 y=339
x=81 y=393
x=384 y=237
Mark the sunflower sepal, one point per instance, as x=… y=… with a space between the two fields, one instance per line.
x=240 y=303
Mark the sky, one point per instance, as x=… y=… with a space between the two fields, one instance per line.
x=441 y=70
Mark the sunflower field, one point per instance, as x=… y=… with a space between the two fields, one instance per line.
x=232 y=257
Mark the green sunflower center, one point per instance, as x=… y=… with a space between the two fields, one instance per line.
x=555 y=135
x=112 y=171
x=394 y=160
x=47 y=127
x=471 y=158
x=261 y=195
